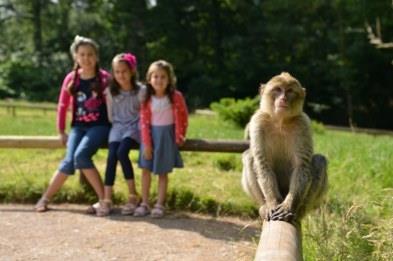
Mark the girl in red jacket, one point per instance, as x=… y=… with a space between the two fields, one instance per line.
x=164 y=121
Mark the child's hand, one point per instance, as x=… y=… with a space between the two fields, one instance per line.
x=63 y=138
x=147 y=153
x=180 y=142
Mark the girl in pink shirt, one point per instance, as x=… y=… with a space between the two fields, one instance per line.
x=164 y=121
x=83 y=91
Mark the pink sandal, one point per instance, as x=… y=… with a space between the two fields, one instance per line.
x=91 y=210
x=130 y=207
x=104 y=208
x=42 y=205
x=158 y=211
x=142 y=210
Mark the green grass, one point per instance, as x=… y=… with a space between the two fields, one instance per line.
x=355 y=222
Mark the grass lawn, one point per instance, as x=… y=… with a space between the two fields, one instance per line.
x=355 y=222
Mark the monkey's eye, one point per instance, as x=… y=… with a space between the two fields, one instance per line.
x=276 y=90
x=290 y=93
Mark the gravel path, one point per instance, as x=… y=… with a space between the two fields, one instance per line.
x=66 y=233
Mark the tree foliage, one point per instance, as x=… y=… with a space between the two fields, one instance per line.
x=220 y=48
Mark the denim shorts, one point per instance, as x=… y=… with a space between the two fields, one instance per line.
x=82 y=144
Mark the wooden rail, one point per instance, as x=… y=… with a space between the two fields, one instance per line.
x=11 y=107
x=279 y=240
x=53 y=142
x=361 y=130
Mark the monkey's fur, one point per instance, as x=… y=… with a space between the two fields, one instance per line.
x=280 y=171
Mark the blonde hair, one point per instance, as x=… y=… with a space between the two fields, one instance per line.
x=168 y=68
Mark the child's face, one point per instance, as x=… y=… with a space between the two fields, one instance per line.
x=122 y=74
x=159 y=80
x=86 y=57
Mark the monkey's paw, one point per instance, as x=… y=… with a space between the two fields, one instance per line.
x=281 y=213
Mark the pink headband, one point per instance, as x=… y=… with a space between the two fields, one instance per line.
x=130 y=59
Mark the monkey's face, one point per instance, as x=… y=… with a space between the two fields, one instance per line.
x=283 y=96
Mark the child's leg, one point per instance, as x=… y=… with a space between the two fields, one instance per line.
x=110 y=171
x=144 y=208
x=158 y=210
x=104 y=206
x=93 y=177
x=123 y=156
x=133 y=199
x=126 y=165
x=162 y=188
x=131 y=187
x=146 y=180
x=88 y=146
x=65 y=169
x=55 y=184
x=108 y=193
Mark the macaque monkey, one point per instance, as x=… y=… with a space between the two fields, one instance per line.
x=280 y=171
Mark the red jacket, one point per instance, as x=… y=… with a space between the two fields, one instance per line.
x=180 y=115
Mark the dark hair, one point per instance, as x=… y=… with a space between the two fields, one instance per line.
x=114 y=86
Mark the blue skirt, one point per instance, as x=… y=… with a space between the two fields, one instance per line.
x=166 y=154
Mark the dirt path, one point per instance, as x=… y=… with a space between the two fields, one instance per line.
x=66 y=233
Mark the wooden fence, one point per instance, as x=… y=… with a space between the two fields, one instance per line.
x=12 y=107
x=53 y=142
x=278 y=241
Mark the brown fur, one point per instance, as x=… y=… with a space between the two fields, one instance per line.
x=279 y=170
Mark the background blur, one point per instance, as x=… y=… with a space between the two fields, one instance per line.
x=340 y=50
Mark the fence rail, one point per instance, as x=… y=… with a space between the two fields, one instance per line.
x=12 y=107
x=53 y=142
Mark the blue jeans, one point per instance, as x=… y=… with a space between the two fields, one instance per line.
x=82 y=144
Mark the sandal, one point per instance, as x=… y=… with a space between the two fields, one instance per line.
x=130 y=206
x=142 y=210
x=158 y=211
x=42 y=205
x=104 y=208
x=91 y=210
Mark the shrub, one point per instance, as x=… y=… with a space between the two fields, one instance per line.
x=238 y=112
x=226 y=163
x=26 y=79
x=318 y=127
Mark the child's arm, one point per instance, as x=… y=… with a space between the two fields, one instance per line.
x=109 y=102
x=142 y=93
x=145 y=122
x=62 y=106
x=181 y=119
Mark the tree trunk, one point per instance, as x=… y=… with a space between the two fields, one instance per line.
x=36 y=11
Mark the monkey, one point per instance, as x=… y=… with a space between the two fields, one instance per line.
x=280 y=171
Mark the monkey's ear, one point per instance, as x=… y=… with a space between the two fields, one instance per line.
x=304 y=92
x=261 y=88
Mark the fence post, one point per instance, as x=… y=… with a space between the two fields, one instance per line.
x=279 y=241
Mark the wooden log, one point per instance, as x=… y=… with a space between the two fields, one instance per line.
x=280 y=241
x=53 y=142
x=24 y=142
